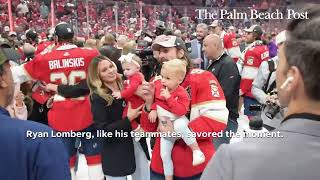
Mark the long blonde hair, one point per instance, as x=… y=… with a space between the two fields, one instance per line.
x=94 y=81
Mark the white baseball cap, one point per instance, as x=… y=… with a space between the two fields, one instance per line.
x=168 y=41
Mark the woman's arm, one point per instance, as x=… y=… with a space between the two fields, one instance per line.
x=69 y=91
x=74 y=91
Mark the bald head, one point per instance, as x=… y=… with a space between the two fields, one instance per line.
x=212 y=46
x=28 y=50
x=214 y=39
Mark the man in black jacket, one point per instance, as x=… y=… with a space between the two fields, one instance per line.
x=225 y=69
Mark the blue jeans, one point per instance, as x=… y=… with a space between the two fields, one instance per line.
x=88 y=146
x=232 y=126
x=156 y=176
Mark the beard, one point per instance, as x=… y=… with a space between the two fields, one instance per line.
x=200 y=38
x=162 y=60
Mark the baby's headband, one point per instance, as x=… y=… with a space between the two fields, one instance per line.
x=128 y=58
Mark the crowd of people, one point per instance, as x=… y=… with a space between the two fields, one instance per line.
x=180 y=85
x=102 y=15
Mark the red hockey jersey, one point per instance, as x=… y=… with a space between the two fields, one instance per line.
x=42 y=46
x=65 y=64
x=208 y=114
x=38 y=94
x=254 y=54
x=231 y=46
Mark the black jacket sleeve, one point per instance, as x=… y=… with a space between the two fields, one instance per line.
x=74 y=91
x=108 y=118
x=229 y=78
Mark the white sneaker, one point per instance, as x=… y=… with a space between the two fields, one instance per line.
x=198 y=157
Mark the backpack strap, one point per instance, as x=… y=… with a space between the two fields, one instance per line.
x=271 y=66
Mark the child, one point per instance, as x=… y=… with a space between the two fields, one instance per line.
x=172 y=103
x=17 y=108
x=131 y=65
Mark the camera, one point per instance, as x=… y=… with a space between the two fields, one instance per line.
x=255 y=107
x=271 y=108
x=148 y=61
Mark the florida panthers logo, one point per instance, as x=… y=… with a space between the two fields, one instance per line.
x=214 y=89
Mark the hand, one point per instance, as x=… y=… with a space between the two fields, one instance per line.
x=165 y=93
x=116 y=95
x=197 y=61
x=50 y=102
x=51 y=88
x=167 y=127
x=271 y=98
x=133 y=113
x=153 y=116
x=146 y=92
x=19 y=99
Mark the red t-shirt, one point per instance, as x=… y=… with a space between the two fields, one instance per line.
x=178 y=103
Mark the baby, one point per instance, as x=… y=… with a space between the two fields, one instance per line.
x=171 y=104
x=131 y=65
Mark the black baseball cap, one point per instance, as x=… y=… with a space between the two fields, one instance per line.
x=64 y=31
x=254 y=28
x=31 y=34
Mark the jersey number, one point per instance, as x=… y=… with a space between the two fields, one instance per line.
x=70 y=80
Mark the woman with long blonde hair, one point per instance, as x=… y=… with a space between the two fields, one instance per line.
x=120 y=155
